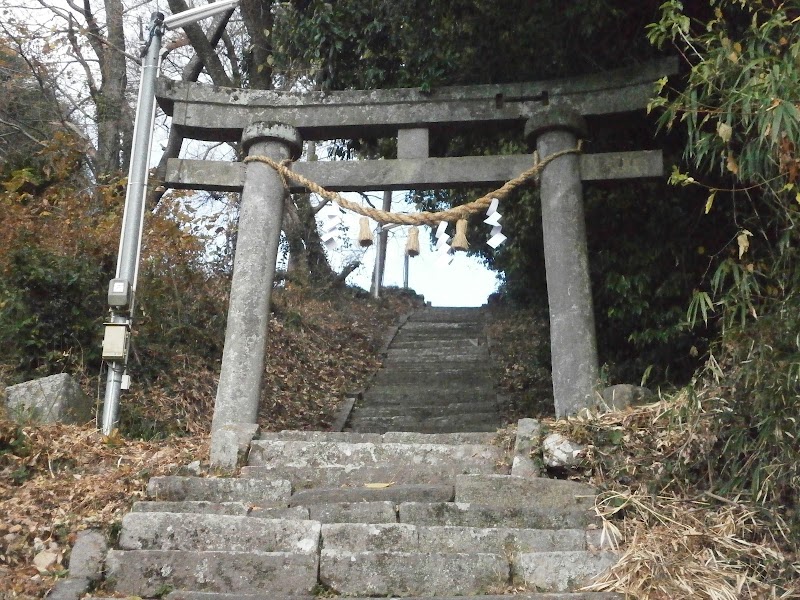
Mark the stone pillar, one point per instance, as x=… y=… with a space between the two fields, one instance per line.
x=260 y=217
x=572 y=331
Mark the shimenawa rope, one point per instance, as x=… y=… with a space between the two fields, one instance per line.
x=421 y=218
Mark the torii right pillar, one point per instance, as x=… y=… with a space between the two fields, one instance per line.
x=573 y=343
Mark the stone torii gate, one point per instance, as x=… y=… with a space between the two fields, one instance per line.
x=275 y=124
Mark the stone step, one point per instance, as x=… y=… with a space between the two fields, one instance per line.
x=409 y=437
x=423 y=493
x=422 y=411
x=560 y=571
x=443 y=386
x=483 y=515
x=183 y=595
x=406 y=355
x=537 y=493
x=148 y=573
x=485 y=422
x=431 y=344
x=399 y=437
x=192 y=506
x=424 y=396
x=443 y=458
x=185 y=531
x=179 y=595
x=220 y=489
x=533 y=596
x=353 y=512
x=445 y=314
x=436 y=326
x=410 y=574
x=401 y=537
x=321 y=436
x=321 y=476
x=468 y=376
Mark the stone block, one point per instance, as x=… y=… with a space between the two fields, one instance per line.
x=477 y=515
x=406 y=574
x=170 y=531
x=499 y=540
x=559 y=451
x=560 y=571
x=521 y=492
x=72 y=588
x=395 y=493
x=54 y=399
x=320 y=436
x=182 y=595
x=623 y=395
x=295 y=512
x=411 y=437
x=441 y=458
x=88 y=554
x=528 y=432
x=371 y=537
x=354 y=512
x=230 y=444
x=191 y=506
x=147 y=573
x=219 y=489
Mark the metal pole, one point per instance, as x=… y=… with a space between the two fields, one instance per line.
x=380 y=250
x=405 y=271
x=131 y=238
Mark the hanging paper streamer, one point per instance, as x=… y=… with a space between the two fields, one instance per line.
x=493 y=217
x=443 y=245
x=331 y=219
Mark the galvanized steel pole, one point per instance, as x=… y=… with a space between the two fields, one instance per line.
x=131 y=237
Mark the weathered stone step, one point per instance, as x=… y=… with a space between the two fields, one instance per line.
x=446 y=458
x=482 y=515
x=401 y=537
x=353 y=512
x=485 y=422
x=150 y=572
x=185 y=531
x=410 y=574
x=183 y=595
x=323 y=476
x=534 y=596
x=468 y=375
x=507 y=491
x=424 y=493
x=427 y=395
x=220 y=489
x=409 y=355
x=192 y=506
x=431 y=344
x=409 y=437
x=440 y=326
x=454 y=386
x=399 y=437
x=222 y=508
x=422 y=410
x=560 y=571
x=321 y=436
x=445 y=314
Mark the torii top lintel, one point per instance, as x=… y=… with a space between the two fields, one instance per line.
x=220 y=114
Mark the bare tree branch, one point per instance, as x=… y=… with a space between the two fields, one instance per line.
x=202 y=47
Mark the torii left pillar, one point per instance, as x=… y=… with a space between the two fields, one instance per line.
x=260 y=219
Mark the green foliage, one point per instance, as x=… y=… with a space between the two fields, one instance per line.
x=739 y=106
x=50 y=310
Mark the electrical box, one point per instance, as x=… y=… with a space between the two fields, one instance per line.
x=115 y=341
x=119 y=293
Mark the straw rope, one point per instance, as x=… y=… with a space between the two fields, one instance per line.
x=421 y=218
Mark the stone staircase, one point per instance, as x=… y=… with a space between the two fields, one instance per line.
x=371 y=513
x=436 y=378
